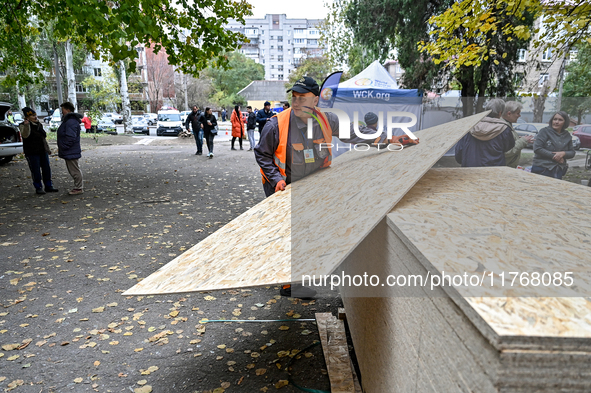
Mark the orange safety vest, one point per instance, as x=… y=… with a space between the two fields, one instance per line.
x=280 y=155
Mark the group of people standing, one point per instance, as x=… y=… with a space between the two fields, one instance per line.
x=36 y=148
x=494 y=142
x=260 y=117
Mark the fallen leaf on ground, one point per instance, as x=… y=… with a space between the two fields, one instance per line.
x=281 y=384
x=261 y=371
x=143 y=389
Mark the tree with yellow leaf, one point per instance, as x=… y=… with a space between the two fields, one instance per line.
x=478 y=40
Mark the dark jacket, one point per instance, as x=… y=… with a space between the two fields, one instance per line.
x=203 y=120
x=485 y=144
x=251 y=123
x=296 y=166
x=33 y=139
x=68 y=137
x=262 y=118
x=193 y=120
x=548 y=141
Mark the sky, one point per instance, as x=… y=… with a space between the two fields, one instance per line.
x=310 y=9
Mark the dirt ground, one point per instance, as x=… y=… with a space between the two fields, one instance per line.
x=65 y=260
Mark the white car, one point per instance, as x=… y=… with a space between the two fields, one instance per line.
x=184 y=115
x=56 y=120
x=169 y=123
x=151 y=118
x=11 y=142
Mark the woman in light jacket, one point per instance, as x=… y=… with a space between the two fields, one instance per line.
x=553 y=146
x=237 y=126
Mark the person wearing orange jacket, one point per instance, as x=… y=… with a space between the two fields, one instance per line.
x=237 y=126
x=285 y=154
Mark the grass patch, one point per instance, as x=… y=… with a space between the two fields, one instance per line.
x=52 y=136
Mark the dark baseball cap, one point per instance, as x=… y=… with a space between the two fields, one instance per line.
x=306 y=85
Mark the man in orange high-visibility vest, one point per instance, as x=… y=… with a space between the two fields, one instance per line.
x=286 y=154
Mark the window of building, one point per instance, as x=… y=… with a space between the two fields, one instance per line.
x=280 y=38
x=280 y=68
x=289 y=33
x=298 y=41
x=280 y=48
x=80 y=88
x=398 y=69
x=272 y=76
x=262 y=31
x=272 y=46
x=312 y=32
x=544 y=78
x=280 y=76
x=263 y=42
x=312 y=42
x=521 y=55
x=547 y=55
x=279 y=58
x=572 y=55
x=287 y=42
x=97 y=72
x=288 y=50
x=298 y=31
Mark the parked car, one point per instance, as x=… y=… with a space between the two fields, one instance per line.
x=169 y=123
x=532 y=129
x=152 y=118
x=56 y=120
x=583 y=132
x=106 y=125
x=184 y=115
x=139 y=125
x=11 y=142
x=18 y=118
x=115 y=117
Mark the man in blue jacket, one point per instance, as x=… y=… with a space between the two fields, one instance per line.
x=263 y=115
x=68 y=144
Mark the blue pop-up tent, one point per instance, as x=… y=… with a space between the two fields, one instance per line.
x=374 y=90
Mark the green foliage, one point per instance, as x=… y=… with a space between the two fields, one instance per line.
x=315 y=67
x=191 y=32
x=576 y=95
x=228 y=82
x=381 y=26
x=343 y=47
x=465 y=34
x=104 y=94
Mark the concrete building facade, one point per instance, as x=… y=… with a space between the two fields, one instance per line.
x=278 y=43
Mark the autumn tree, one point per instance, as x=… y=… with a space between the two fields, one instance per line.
x=477 y=40
x=384 y=26
x=240 y=72
x=316 y=67
x=576 y=99
x=191 y=32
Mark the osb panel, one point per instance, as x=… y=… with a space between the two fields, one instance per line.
x=336 y=208
x=481 y=220
x=253 y=249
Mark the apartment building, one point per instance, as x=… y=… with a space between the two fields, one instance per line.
x=279 y=43
x=537 y=67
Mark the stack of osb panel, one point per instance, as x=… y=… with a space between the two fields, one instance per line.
x=495 y=334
